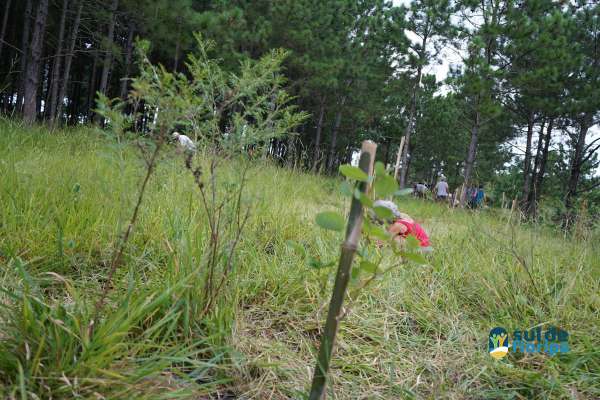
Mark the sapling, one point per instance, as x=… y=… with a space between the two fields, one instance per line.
x=375 y=237
x=226 y=114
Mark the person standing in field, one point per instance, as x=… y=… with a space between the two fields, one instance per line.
x=479 y=196
x=420 y=190
x=441 y=189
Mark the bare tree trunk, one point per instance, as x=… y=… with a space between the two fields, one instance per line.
x=577 y=161
x=409 y=128
x=57 y=63
x=538 y=152
x=128 y=56
x=4 y=24
x=334 y=133
x=34 y=62
x=527 y=161
x=471 y=155
x=24 y=54
x=68 y=62
x=92 y=87
x=538 y=177
x=108 y=55
x=177 y=45
x=317 y=153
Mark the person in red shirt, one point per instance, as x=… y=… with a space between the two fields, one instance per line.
x=403 y=226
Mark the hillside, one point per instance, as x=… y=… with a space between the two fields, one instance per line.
x=418 y=332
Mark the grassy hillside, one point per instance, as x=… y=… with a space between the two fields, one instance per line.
x=419 y=333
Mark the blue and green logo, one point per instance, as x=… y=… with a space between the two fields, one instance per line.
x=551 y=341
x=498 y=342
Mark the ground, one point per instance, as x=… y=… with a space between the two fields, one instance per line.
x=420 y=332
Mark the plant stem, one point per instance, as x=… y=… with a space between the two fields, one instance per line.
x=335 y=313
x=116 y=260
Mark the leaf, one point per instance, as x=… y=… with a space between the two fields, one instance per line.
x=346 y=189
x=363 y=198
x=355 y=273
x=415 y=257
x=330 y=220
x=379 y=233
x=412 y=242
x=383 y=213
x=368 y=266
x=354 y=173
x=379 y=168
x=403 y=192
x=297 y=247
x=385 y=186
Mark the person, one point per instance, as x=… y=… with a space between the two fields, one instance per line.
x=471 y=195
x=184 y=142
x=441 y=189
x=421 y=190
x=479 y=196
x=402 y=225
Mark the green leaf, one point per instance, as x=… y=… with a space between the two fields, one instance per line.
x=379 y=233
x=415 y=257
x=346 y=189
x=368 y=266
x=383 y=213
x=412 y=242
x=379 y=168
x=385 y=186
x=354 y=173
x=297 y=247
x=363 y=198
x=403 y=192
x=330 y=220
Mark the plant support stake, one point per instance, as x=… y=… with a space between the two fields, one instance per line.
x=334 y=315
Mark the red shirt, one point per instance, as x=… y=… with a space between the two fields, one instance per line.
x=415 y=229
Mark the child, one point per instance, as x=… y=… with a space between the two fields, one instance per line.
x=403 y=226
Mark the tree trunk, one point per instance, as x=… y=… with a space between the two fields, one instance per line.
x=92 y=87
x=576 y=161
x=177 y=45
x=128 y=53
x=74 y=104
x=409 y=128
x=68 y=62
x=538 y=152
x=33 y=64
x=527 y=161
x=4 y=24
x=108 y=54
x=57 y=63
x=334 y=133
x=317 y=153
x=538 y=179
x=471 y=155
x=24 y=54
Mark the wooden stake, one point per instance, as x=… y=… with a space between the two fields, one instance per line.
x=335 y=313
x=398 y=158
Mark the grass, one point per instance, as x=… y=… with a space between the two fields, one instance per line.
x=419 y=333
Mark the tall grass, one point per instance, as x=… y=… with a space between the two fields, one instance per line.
x=420 y=333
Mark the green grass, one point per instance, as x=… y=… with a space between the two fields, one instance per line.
x=419 y=333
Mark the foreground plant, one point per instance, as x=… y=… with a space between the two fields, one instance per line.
x=366 y=187
x=76 y=351
x=230 y=116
